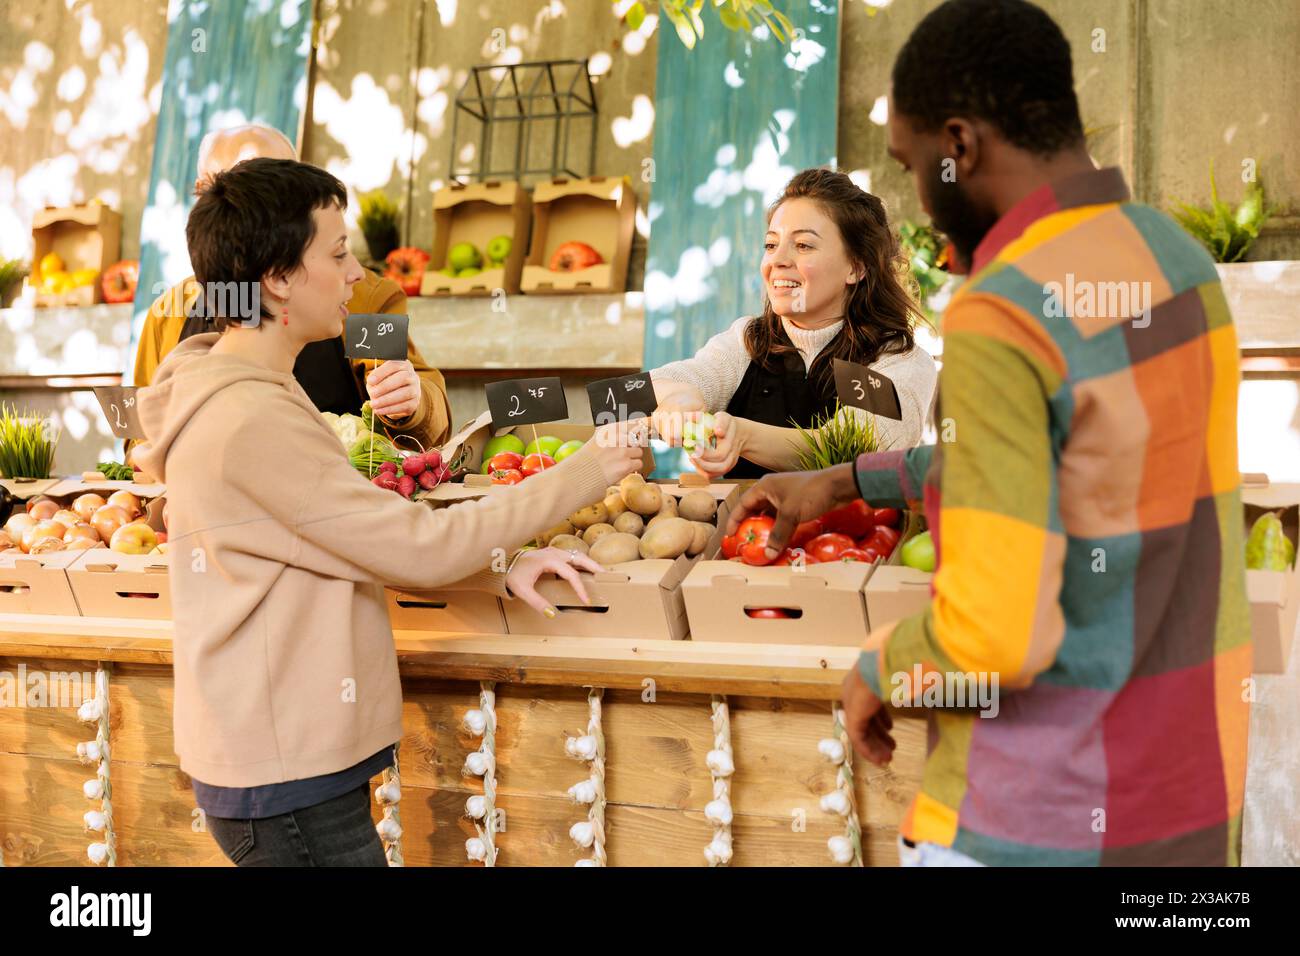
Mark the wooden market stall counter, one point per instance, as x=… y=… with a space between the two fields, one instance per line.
x=656 y=717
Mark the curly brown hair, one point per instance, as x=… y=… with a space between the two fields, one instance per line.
x=879 y=311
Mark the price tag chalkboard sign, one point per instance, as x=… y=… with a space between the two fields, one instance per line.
x=621 y=398
x=381 y=337
x=118 y=402
x=863 y=387
x=526 y=401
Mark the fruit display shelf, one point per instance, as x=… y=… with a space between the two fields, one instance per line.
x=665 y=712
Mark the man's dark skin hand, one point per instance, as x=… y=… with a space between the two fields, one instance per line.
x=794 y=497
x=801 y=496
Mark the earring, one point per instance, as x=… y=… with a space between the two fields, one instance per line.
x=284 y=315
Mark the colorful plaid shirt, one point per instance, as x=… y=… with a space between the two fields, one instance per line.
x=1085 y=500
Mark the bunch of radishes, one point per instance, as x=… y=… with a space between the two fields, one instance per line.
x=425 y=470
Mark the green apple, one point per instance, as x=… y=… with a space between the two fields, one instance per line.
x=496 y=446
x=565 y=450
x=499 y=248
x=466 y=273
x=544 y=445
x=449 y=272
x=918 y=552
x=463 y=255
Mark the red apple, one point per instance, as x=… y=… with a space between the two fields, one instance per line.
x=574 y=256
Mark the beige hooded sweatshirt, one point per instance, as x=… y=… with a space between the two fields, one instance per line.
x=284 y=660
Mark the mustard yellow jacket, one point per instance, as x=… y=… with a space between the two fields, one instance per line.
x=431 y=423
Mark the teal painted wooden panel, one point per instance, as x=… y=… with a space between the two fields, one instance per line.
x=735 y=118
x=228 y=63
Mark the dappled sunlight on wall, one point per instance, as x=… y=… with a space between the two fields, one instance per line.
x=79 y=90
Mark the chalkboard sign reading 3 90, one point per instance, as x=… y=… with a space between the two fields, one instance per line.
x=864 y=387
x=527 y=401
x=380 y=337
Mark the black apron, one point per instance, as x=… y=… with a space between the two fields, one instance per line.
x=322 y=369
x=775 y=398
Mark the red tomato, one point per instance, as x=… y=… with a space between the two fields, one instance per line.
x=854 y=519
x=888 y=517
x=771 y=613
x=827 y=547
x=535 y=463
x=730 y=546
x=805 y=533
x=883 y=539
x=752 y=535
x=857 y=554
x=787 y=558
x=507 y=476
x=505 y=461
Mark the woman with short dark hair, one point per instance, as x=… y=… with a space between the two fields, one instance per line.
x=287 y=694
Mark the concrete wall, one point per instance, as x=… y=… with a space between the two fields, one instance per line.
x=390 y=70
x=79 y=93
x=1180 y=83
x=1172 y=86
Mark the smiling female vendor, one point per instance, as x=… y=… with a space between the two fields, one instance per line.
x=831 y=276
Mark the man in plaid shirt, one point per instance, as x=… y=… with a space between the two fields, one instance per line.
x=1084 y=496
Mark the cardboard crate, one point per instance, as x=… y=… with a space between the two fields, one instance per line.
x=38 y=583
x=25 y=488
x=478 y=213
x=84 y=237
x=473 y=438
x=1274 y=596
x=826 y=601
x=638 y=600
x=108 y=583
x=598 y=210
x=895 y=591
x=470 y=612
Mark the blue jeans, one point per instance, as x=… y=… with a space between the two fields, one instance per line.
x=338 y=832
x=932 y=854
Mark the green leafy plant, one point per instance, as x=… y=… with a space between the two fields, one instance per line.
x=838 y=437
x=12 y=272
x=378 y=222
x=1226 y=232
x=27 y=443
x=734 y=14
x=925 y=250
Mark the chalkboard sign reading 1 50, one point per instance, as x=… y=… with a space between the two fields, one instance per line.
x=526 y=401
x=622 y=398
x=380 y=337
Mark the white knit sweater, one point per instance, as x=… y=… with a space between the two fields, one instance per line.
x=717 y=370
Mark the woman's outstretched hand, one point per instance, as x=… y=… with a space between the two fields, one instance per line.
x=531 y=565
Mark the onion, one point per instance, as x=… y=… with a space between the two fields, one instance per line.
x=41 y=530
x=107 y=520
x=43 y=509
x=127 y=502
x=86 y=505
x=67 y=518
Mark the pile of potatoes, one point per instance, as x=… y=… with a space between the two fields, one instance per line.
x=637 y=520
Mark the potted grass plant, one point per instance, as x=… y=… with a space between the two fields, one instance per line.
x=1264 y=291
x=27 y=443
x=835 y=438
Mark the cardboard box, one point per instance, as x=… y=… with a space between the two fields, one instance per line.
x=895 y=591
x=25 y=488
x=637 y=600
x=1274 y=596
x=84 y=237
x=598 y=210
x=468 y=444
x=38 y=583
x=825 y=601
x=111 y=584
x=471 y=612
x=478 y=213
